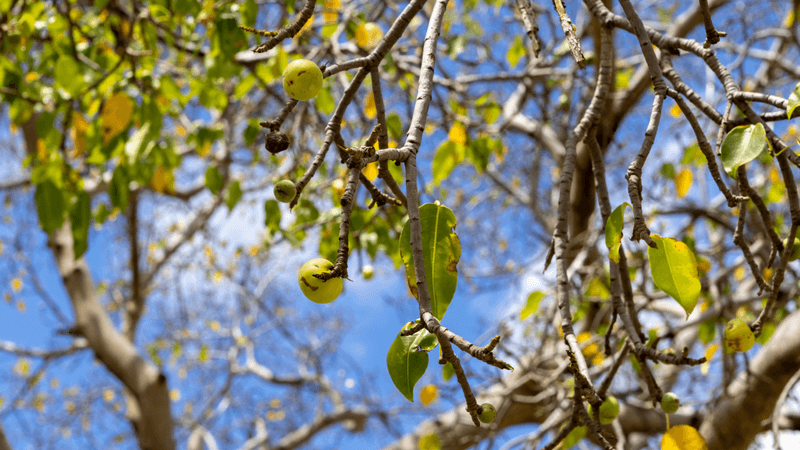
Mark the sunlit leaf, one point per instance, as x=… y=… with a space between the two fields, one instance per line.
x=369 y=106
x=614 y=231
x=116 y=115
x=794 y=101
x=428 y=394
x=683 y=181
x=441 y=253
x=532 y=305
x=430 y=442
x=683 y=437
x=742 y=145
x=447 y=157
x=371 y=171
x=458 y=133
x=674 y=270
x=515 y=52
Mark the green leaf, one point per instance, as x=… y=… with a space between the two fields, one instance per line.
x=623 y=78
x=244 y=86
x=742 y=145
x=119 y=190
x=674 y=270
x=441 y=252
x=430 y=442
x=325 y=101
x=532 y=306
x=448 y=155
x=794 y=101
x=479 y=150
x=234 y=194
x=573 y=437
x=80 y=217
x=707 y=330
x=448 y=371
x=171 y=89
x=515 y=52
x=406 y=362
x=68 y=75
x=394 y=125
x=213 y=179
x=614 y=231
x=272 y=215
x=50 y=205
x=667 y=171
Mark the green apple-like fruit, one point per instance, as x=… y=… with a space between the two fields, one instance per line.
x=367 y=272
x=487 y=413
x=316 y=290
x=302 y=79
x=738 y=336
x=284 y=191
x=795 y=249
x=609 y=410
x=670 y=403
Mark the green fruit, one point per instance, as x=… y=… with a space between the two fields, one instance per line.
x=316 y=290
x=738 y=336
x=487 y=413
x=302 y=79
x=284 y=191
x=795 y=249
x=670 y=403
x=609 y=410
x=367 y=272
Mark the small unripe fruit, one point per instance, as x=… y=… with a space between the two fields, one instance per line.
x=670 y=403
x=738 y=336
x=795 y=250
x=276 y=142
x=487 y=413
x=316 y=290
x=302 y=79
x=367 y=272
x=609 y=410
x=368 y=35
x=284 y=191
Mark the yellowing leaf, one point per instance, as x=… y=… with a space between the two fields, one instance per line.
x=369 y=106
x=430 y=442
x=683 y=182
x=683 y=437
x=674 y=269
x=16 y=285
x=428 y=394
x=116 y=115
x=458 y=134
x=675 y=111
x=163 y=179
x=371 y=171
x=739 y=273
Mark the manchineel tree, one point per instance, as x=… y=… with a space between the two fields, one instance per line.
x=133 y=135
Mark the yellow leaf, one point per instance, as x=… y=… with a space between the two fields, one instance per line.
x=16 y=285
x=308 y=25
x=78 y=133
x=174 y=395
x=21 y=307
x=180 y=130
x=41 y=150
x=163 y=180
x=331 y=10
x=371 y=171
x=369 y=106
x=767 y=274
x=458 y=134
x=683 y=181
x=108 y=395
x=683 y=437
x=368 y=35
x=710 y=351
x=739 y=273
x=428 y=394
x=31 y=76
x=116 y=115
x=675 y=111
